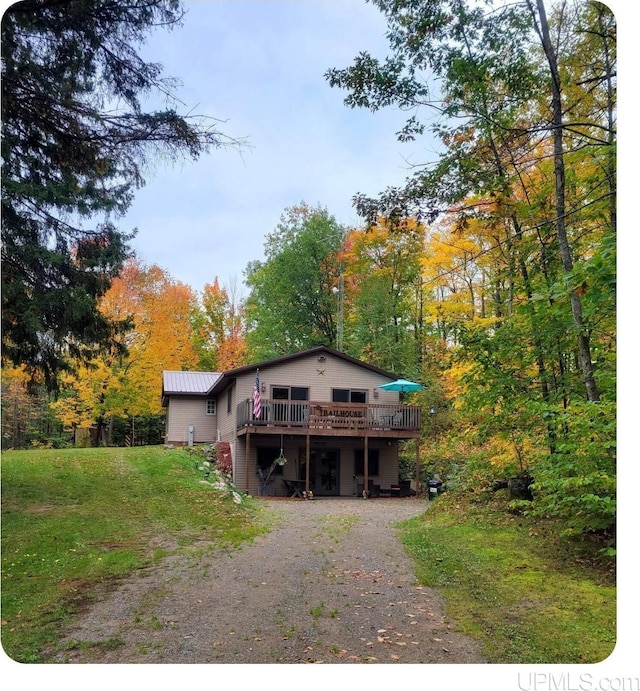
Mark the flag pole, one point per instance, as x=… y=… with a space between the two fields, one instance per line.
x=257 y=403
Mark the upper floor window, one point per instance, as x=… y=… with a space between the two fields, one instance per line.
x=282 y=410
x=211 y=407
x=290 y=393
x=349 y=396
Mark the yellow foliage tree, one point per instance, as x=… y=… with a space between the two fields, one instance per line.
x=218 y=329
x=159 y=309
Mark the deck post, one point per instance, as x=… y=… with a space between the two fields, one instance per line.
x=417 y=467
x=366 y=466
x=247 y=455
x=307 y=463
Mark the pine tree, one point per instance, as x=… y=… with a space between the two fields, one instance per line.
x=75 y=141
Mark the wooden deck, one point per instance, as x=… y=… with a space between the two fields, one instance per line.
x=330 y=419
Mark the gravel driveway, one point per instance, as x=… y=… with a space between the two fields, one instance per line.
x=330 y=583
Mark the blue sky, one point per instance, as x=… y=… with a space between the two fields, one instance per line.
x=259 y=66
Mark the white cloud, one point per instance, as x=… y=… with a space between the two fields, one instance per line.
x=261 y=65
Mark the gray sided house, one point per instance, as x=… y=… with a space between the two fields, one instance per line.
x=321 y=410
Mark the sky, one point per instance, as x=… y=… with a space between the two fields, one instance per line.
x=259 y=66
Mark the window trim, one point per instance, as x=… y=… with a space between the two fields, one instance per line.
x=208 y=406
x=299 y=390
x=350 y=393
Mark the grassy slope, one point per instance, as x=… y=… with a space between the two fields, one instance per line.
x=530 y=597
x=76 y=520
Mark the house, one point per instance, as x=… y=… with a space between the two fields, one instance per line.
x=319 y=409
x=191 y=413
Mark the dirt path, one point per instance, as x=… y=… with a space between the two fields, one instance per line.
x=330 y=584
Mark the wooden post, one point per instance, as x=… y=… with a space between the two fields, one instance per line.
x=307 y=464
x=247 y=455
x=417 y=467
x=366 y=466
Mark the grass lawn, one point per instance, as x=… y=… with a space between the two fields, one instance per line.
x=74 y=521
x=527 y=595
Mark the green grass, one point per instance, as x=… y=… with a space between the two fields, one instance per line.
x=336 y=526
x=317 y=611
x=528 y=596
x=74 y=521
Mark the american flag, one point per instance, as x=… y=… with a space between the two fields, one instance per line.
x=256 y=397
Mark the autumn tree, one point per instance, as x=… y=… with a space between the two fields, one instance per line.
x=218 y=328
x=489 y=74
x=383 y=302
x=524 y=109
x=75 y=143
x=27 y=419
x=119 y=385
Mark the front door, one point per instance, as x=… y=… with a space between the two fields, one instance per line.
x=324 y=472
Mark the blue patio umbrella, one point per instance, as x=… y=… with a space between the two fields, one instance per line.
x=401 y=385
x=404 y=386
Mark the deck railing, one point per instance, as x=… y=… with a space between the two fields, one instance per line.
x=322 y=415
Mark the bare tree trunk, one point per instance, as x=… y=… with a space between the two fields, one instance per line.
x=611 y=162
x=15 y=425
x=584 y=348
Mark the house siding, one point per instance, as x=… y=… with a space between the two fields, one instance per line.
x=184 y=411
x=321 y=372
x=321 y=377
x=226 y=419
x=295 y=452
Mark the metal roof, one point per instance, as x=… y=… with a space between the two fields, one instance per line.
x=188 y=382
x=212 y=383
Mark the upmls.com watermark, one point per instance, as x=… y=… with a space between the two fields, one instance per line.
x=565 y=681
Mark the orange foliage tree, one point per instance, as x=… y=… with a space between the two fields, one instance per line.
x=159 y=309
x=218 y=329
